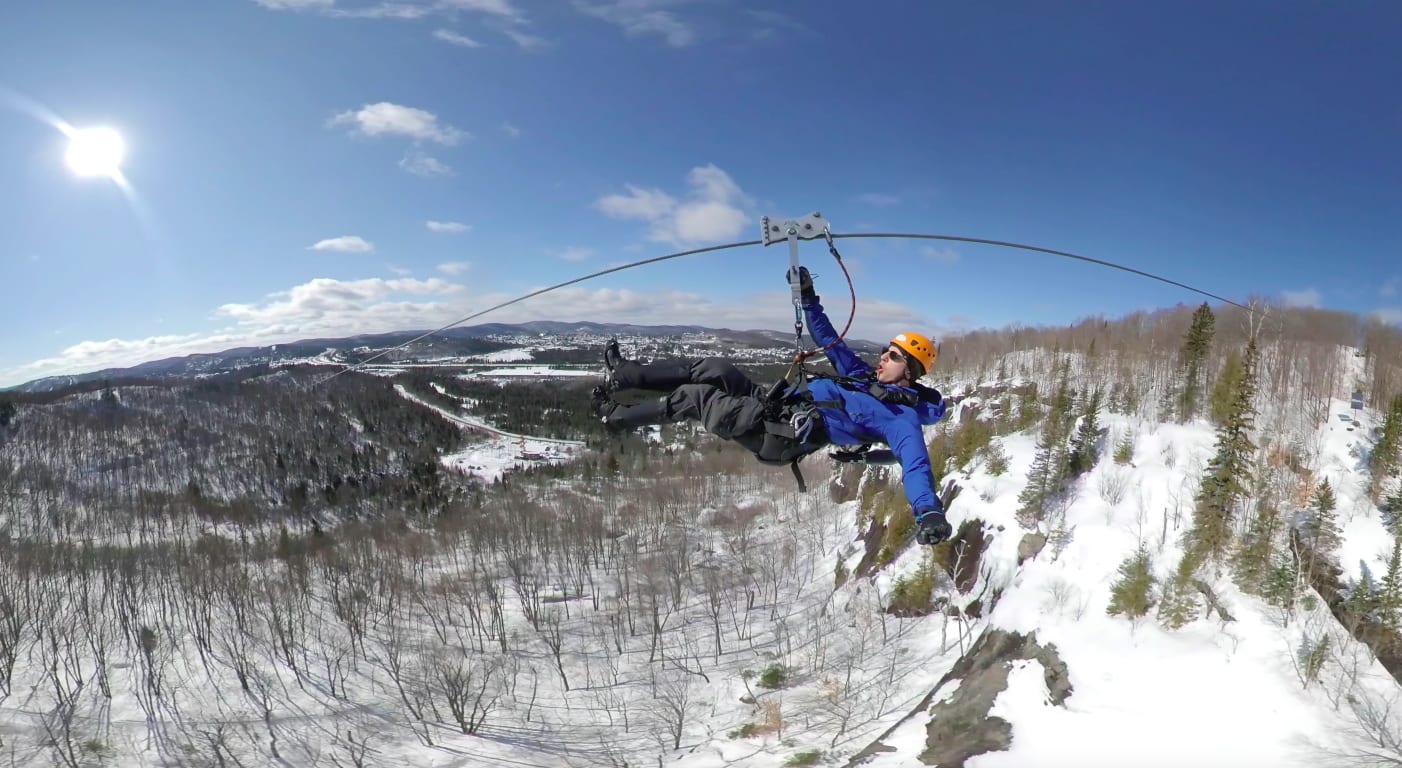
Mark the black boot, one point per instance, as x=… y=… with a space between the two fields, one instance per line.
x=621 y=418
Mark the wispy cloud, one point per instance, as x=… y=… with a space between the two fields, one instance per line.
x=526 y=41
x=878 y=199
x=454 y=38
x=333 y=308
x=946 y=256
x=454 y=267
x=447 y=227
x=296 y=5
x=511 y=130
x=343 y=244
x=1308 y=297
x=638 y=18
x=1391 y=315
x=1390 y=287
x=575 y=254
x=387 y=119
x=424 y=165
x=712 y=211
x=768 y=24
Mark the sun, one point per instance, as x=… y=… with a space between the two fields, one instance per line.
x=95 y=152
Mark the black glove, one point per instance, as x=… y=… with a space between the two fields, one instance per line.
x=805 y=284
x=931 y=528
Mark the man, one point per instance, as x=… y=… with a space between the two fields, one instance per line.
x=860 y=406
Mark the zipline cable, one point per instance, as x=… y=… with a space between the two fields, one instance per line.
x=1005 y=244
x=852 y=235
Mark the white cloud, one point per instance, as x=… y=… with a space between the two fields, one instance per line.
x=344 y=244
x=296 y=5
x=501 y=8
x=712 y=212
x=1392 y=315
x=639 y=203
x=575 y=254
x=1390 y=287
x=334 y=308
x=454 y=267
x=401 y=271
x=386 y=119
x=879 y=200
x=511 y=130
x=526 y=41
x=447 y=227
x=945 y=256
x=454 y=38
x=1306 y=298
x=642 y=17
x=424 y=165
x=325 y=303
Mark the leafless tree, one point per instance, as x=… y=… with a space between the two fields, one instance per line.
x=553 y=635
x=468 y=690
x=673 y=702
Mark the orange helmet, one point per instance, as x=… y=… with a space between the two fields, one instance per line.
x=918 y=349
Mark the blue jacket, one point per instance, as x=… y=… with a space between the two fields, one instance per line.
x=864 y=419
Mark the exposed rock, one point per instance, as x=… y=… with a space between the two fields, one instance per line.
x=1030 y=546
x=960 y=727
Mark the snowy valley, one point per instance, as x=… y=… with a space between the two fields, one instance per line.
x=662 y=599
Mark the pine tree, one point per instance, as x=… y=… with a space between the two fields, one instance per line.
x=1047 y=476
x=1180 y=603
x=1389 y=599
x=1228 y=475
x=1392 y=512
x=1383 y=461
x=1132 y=593
x=1282 y=582
x=1252 y=563
x=1195 y=348
x=1084 y=453
x=1321 y=532
x=1228 y=379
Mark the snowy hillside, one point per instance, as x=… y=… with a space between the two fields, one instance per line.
x=686 y=606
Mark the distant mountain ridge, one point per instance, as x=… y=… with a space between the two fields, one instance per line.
x=461 y=341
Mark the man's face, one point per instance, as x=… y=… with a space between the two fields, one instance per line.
x=891 y=368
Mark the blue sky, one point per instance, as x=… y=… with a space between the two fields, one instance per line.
x=303 y=168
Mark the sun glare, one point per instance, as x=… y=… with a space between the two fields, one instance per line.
x=95 y=152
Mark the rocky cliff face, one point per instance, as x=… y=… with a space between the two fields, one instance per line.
x=958 y=726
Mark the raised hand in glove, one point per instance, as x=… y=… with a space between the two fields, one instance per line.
x=805 y=284
x=931 y=528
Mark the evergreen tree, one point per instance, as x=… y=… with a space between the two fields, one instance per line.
x=1195 y=348
x=1389 y=598
x=7 y=411
x=1132 y=593
x=1252 y=563
x=1180 y=603
x=1228 y=379
x=1084 y=453
x=1282 y=582
x=1228 y=475
x=1321 y=531
x=1383 y=461
x=1392 y=512
x=1047 y=476
x=1363 y=596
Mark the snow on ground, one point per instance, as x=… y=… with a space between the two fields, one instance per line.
x=514 y=355
x=530 y=371
x=1212 y=693
x=500 y=451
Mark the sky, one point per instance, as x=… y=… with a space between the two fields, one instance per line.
x=312 y=168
